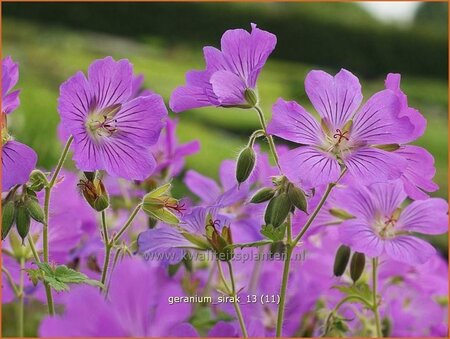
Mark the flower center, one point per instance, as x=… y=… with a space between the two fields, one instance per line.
x=385 y=227
x=103 y=123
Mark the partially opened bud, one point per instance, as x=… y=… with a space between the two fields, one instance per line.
x=357 y=266
x=220 y=242
x=341 y=260
x=262 y=195
x=277 y=210
x=37 y=181
x=23 y=221
x=297 y=197
x=245 y=164
x=94 y=192
x=8 y=212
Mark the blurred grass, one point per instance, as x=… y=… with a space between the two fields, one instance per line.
x=49 y=55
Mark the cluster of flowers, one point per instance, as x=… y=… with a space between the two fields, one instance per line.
x=115 y=245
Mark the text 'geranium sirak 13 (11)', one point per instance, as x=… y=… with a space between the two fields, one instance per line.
x=229 y=79
x=362 y=140
x=111 y=130
x=18 y=160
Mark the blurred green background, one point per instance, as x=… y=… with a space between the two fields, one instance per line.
x=52 y=41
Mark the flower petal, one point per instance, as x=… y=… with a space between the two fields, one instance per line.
x=369 y=165
x=111 y=81
x=292 y=122
x=388 y=196
x=18 y=160
x=334 y=98
x=419 y=173
x=246 y=53
x=142 y=119
x=361 y=238
x=425 y=216
x=10 y=102
x=10 y=75
x=309 y=166
x=408 y=249
x=379 y=121
x=205 y=188
x=229 y=88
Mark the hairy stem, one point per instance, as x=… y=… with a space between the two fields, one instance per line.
x=48 y=191
x=374 y=300
x=235 y=302
x=21 y=308
x=107 y=251
x=269 y=138
x=127 y=224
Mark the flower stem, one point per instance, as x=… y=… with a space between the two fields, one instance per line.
x=33 y=249
x=127 y=224
x=107 y=251
x=235 y=302
x=374 y=301
x=269 y=138
x=284 y=281
x=290 y=245
x=48 y=191
x=21 y=310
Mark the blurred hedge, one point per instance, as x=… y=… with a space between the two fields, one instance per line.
x=326 y=34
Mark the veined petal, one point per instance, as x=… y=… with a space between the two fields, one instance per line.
x=10 y=75
x=74 y=101
x=246 y=53
x=357 y=200
x=205 y=188
x=292 y=122
x=10 y=102
x=229 y=88
x=379 y=121
x=309 y=166
x=111 y=81
x=18 y=160
x=369 y=165
x=408 y=249
x=141 y=119
x=187 y=97
x=388 y=196
x=361 y=238
x=334 y=98
x=428 y=216
x=418 y=175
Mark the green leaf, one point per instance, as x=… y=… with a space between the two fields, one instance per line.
x=360 y=289
x=275 y=234
x=59 y=277
x=157 y=192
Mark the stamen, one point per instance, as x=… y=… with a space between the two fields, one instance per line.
x=340 y=135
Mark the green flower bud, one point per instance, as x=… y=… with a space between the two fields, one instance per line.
x=277 y=210
x=341 y=260
x=34 y=209
x=220 y=242
x=297 y=198
x=340 y=214
x=251 y=97
x=23 y=221
x=37 y=181
x=262 y=195
x=8 y=212
x=357 y=265
x=245 y=164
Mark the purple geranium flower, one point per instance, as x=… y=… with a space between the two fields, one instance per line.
x=346 y=135
x=382 y=226
x=229 y=72
x=18 y=160
x=169 y=154
x=112 y=131
x=137 y=306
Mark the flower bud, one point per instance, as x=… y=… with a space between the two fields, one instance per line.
x=8 y=212
x=220 y=242
x=277 y=210
x=262 y=195
x=34 y=209
x=245 y=164
x=37 y=181
x=94 y=192
x=297 y=198
x=251 y=97
x=23 y=221
x=340 y=214
x=357 y=265
x=159 y=206
x=341 y=260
